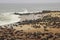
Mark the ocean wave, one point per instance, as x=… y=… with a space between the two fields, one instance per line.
x=8 y=18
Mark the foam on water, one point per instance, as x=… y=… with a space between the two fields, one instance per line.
x=8 y=18
x=25 y=11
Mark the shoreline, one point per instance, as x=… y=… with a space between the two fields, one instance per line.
x=46 y=27
x=47 y=12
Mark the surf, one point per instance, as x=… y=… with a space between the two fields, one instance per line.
x=8 y=18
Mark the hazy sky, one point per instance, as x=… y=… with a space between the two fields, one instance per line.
x=29 y=1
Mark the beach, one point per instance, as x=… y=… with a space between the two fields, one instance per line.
x=43 y=25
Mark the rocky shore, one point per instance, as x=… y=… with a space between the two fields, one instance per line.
x=43 y=25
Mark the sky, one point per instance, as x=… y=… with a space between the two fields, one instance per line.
x=29 y=1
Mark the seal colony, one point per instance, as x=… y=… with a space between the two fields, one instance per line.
x=43 y=25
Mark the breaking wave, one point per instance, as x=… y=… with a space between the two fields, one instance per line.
x=10 y=17
x=7 y=18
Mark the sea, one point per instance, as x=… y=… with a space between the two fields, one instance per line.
x=7 y=10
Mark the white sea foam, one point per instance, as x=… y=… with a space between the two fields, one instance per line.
x=25 y=11
x=8 y=18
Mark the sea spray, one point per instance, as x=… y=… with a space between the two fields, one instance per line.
x=8 y=18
